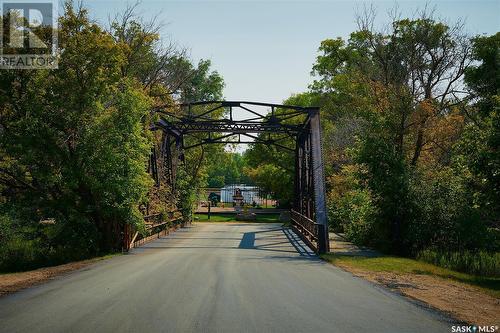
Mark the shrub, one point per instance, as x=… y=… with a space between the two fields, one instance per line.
x=480 y=263
x=355 y=212
x=17 y=254
x=443 y=218
x=34 y=245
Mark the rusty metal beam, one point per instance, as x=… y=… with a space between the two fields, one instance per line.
x=319 y=182
x=226 y=126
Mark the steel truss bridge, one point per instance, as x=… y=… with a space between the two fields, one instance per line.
x=235 y=122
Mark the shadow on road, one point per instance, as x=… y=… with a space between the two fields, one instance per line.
x=276 y=242
x=248 y=241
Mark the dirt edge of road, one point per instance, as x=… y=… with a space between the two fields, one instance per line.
x=457 y=300
x=12 y=282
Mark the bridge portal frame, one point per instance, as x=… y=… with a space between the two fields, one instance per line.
x=302 y=124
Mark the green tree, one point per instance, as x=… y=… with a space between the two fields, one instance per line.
x=477 y=154
x=226 y=168
x=393 y=104
x=73 y=145
x=75 y=142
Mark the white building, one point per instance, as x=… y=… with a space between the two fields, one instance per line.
x=249 y=193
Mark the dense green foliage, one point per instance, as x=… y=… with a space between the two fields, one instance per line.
x=476 y=263
x=73 y=149
x=75 y=142
x=411 y=157
x=421 y=171
x=227 y=168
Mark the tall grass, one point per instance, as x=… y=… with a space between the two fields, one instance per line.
x=477 y=263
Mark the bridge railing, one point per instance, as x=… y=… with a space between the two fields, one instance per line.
x=156 y=225
x=308 y=230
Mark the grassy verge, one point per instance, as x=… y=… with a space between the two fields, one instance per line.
x=476 y=263
x=262 y=218
x=400 y=265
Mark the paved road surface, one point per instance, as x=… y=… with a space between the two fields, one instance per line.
x=214 y=278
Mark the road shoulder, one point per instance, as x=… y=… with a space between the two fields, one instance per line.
x=459 y=296
x=12 y=282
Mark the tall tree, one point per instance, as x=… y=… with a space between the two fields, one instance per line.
x=394 y=103
x=73 y=141
x=478 y=150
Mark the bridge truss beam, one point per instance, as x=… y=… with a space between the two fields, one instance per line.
x=207 y=119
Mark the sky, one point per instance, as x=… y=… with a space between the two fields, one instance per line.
x=265 y=50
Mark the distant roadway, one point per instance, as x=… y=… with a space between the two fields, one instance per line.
x=215 y=277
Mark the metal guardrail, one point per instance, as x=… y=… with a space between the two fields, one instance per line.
x=308 y=230
x=152 y=237
x=157 y=220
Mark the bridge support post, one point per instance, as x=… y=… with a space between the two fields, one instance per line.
x=319 y=183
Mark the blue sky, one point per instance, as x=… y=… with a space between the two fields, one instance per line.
x=265 y=49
